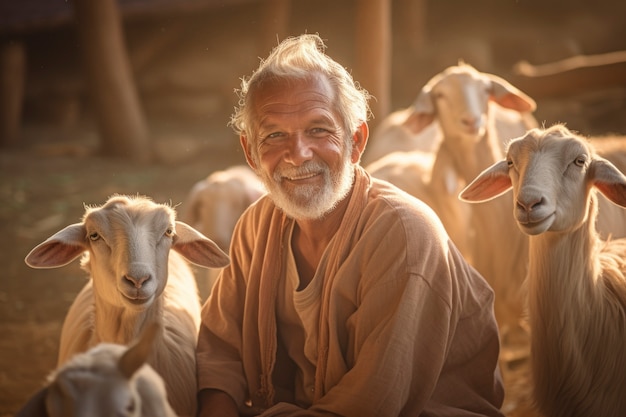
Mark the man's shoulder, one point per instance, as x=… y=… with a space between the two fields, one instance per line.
x=259 y=218
x=260 y=208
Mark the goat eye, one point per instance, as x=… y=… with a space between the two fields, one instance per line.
x=581 y=160
x=94 y=236
x=169 y=232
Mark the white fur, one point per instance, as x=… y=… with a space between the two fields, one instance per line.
x=576 y=281
x=135 y=279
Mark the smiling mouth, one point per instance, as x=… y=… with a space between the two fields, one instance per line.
x=302 y=176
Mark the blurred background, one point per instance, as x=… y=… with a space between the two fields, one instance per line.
x=134 y=96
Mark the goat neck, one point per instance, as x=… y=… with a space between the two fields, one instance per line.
x=571 y=322
x=119 y=325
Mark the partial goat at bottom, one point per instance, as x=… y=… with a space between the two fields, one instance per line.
x=107 y=380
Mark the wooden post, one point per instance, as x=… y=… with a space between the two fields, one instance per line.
x=373 y=53
x=274 y=24
x=121 y=122
x=410 y=21
x=12 y=79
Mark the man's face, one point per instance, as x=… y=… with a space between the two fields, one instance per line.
x=299 y=149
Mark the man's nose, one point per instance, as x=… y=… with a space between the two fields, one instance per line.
x=299 y=149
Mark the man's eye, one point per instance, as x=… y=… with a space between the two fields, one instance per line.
x=274 y=135
x=318 y=131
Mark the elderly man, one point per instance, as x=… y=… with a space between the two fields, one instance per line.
x=344 y=296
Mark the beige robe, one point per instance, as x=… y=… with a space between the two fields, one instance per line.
x=406 y=325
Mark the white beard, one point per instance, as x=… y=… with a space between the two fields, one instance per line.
x=310 y=202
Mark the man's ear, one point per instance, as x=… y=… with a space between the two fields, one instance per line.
x=246 y=150
x=359 y=138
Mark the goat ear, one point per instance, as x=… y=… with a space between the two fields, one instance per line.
x=422 y=112
x=609 y=180
x=59 y=249
x=197 y=248
x=489 y=184
x=416 y=122
x=423 y=104
x=137 y=354
x=510 y=97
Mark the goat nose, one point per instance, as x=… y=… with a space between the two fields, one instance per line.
x=137 y=282
x=468 y=120
x=471 y=122
x=529 y=204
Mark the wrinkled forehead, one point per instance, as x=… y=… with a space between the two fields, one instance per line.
x=285 y=94
x=282 y=100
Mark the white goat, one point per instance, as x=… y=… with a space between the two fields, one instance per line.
x=215 y=203
x=477 y=113
x=471 y=100
x=107 y=380
x=135 y=279
x=576 y=281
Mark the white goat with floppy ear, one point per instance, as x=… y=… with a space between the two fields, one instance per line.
x=133 y=249
x=576 y=281
x=107 y=380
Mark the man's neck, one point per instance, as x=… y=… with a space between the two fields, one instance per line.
x=311 y=237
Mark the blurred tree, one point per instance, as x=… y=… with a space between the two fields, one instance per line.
x=121 y=122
